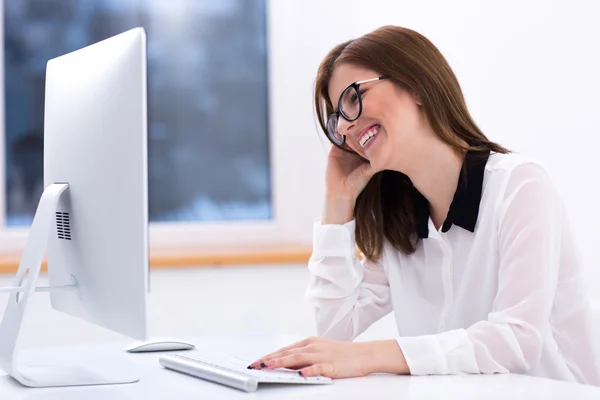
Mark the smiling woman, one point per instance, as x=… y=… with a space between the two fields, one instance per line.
x=418 y=85
x=467 y=244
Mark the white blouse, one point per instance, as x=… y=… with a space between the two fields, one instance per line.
x=503 y=294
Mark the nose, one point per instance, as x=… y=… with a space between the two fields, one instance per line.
x=345 y=127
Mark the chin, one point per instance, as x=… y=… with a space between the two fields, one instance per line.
x=375 y=165
x=376 y=158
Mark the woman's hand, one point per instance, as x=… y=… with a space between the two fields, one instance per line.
x=336 y=359
x=347 y=174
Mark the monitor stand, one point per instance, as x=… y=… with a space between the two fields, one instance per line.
x=50 y=372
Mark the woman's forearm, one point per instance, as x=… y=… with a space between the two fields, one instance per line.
x=386 y=357
x=338 y=210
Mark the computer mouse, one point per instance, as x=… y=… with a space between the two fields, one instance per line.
x=163 y=344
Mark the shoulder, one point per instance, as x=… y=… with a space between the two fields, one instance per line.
x=512 y=170
x=522 y=183
x=511 y=161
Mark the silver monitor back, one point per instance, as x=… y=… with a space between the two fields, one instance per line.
x=95 y=139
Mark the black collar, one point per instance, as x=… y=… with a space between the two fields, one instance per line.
x=465 y=204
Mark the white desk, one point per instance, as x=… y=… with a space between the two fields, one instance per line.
x=159 y=383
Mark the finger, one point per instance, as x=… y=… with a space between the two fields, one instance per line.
x=293 y=361
x=261 y=363
x=317 y=369
x=306 y=349
x=336 y=151
x=297 y=345
x=265 y=361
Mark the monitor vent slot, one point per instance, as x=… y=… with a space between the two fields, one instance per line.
x=63 y=225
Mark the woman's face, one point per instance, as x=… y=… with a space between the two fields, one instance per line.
x=386 y=133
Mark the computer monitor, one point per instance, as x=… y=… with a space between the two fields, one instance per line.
x=92 y=218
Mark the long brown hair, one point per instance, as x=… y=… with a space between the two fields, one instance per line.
x=385 y=208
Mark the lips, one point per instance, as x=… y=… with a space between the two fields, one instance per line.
x=367 y=134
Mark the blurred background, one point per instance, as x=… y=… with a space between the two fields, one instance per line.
x=235 y=157
x=207 y=86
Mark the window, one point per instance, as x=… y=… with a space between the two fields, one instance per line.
x=208 y=130
x=285 y=185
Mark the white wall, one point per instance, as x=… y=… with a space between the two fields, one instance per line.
x=530 y=71
x=301 y=34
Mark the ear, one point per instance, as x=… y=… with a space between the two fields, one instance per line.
x=417 y=98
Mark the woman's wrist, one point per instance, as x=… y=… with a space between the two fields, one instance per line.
x=338 y=210
x=385 y=356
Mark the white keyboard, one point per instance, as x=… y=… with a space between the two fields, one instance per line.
x=233 y=371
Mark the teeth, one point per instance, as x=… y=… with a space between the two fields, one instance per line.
x=367 y=136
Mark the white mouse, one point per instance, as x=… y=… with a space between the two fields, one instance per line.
x=163 y=344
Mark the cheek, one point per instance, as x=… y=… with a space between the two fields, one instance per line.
x=379 y=110
x=399 y=114
x=405 y=117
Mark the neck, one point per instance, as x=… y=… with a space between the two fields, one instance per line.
x=435 y=174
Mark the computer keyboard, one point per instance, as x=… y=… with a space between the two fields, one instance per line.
x=233 y=371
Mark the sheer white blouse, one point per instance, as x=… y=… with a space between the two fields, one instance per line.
x=502 y=291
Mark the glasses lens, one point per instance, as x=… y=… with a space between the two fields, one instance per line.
x=350 y=104
x=332 y=130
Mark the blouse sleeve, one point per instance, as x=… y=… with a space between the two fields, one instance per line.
x=347 y=295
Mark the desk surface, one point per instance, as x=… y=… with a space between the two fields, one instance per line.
x=159 y=383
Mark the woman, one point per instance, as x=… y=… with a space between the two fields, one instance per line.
x=466 y=243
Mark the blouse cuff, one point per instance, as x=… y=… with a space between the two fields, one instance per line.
x=334 y=240
x=447 y=353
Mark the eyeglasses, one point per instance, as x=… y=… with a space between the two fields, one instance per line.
x=349 y=107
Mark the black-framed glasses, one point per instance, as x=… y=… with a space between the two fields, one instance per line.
x=349 y=107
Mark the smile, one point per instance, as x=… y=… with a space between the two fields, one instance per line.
x=368 y=135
